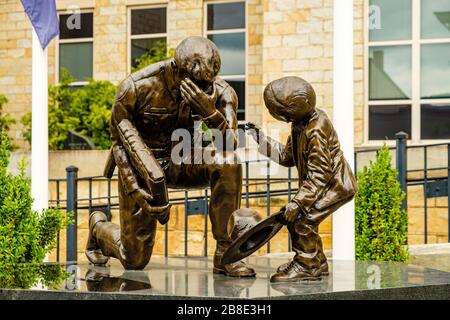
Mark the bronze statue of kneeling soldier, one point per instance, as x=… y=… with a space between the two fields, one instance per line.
x=152 y=103
x=326 y=181
x=149 y=106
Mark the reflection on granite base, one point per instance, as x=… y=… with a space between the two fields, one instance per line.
x=192 y=278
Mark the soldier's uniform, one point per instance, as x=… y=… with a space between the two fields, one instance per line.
x=152 y=102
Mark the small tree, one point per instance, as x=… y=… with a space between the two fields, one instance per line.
x=381 y=224
x=85 y=110
x=5 y=120
x=25 y=235
x=26 y=132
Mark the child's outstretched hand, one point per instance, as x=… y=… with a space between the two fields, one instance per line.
x=254 y=131
x=291 y=213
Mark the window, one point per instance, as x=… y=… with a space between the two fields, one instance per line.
x=148 y=28
x=408 y=69
x=225 y=26
x=386 y=121
x=76 y=47
x=390 y=72
x=435 y=120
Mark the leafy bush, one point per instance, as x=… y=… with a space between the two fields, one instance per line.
x=381 y=224
x=5 y=119
x=25 y=235
x=26 y=132
x=85 y=110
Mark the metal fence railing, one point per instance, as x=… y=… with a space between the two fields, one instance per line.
x=194 y=202
x=78 y=200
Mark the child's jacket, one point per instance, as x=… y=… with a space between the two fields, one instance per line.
x=325 y=178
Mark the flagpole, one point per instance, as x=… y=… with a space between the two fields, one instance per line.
x=39 y=129
x=344 y=218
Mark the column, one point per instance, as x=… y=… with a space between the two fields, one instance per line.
x=39 y=134
x=343 y=219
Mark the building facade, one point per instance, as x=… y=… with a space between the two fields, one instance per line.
x=401 y=60
x=401 y=49
x=259 y=41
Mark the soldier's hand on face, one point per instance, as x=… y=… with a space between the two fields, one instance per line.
x=203 y=103
x=291 y=213
x=254 y=131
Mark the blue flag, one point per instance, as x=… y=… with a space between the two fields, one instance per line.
x=43 y=17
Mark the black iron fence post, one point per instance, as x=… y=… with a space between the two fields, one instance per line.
x=401 y=160
x=425 y=194
x=71 y=236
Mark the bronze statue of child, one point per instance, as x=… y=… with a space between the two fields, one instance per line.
x=326 y=181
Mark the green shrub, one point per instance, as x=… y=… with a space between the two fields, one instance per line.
x=5 y=120
x=85 y=110
x=26 y=132
x=380 y=223
x=26 y=236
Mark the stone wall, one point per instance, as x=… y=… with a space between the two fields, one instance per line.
x=284 y=37
x=184 y=19
x=110 y=40
x=15 y=62
x=437 y=217
x=255 y=62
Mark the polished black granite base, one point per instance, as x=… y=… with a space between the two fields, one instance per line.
x=192 y=278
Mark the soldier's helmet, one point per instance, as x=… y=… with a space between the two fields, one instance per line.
x=290 y=93
x=199 y=58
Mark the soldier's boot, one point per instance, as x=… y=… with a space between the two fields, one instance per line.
x=235 y=269
x=323 y=268
x=93 y=251
x=295 y=272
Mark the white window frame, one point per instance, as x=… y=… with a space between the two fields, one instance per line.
x=131 y=37
x=75 y=40
x=207 y=32
x=416 y=101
